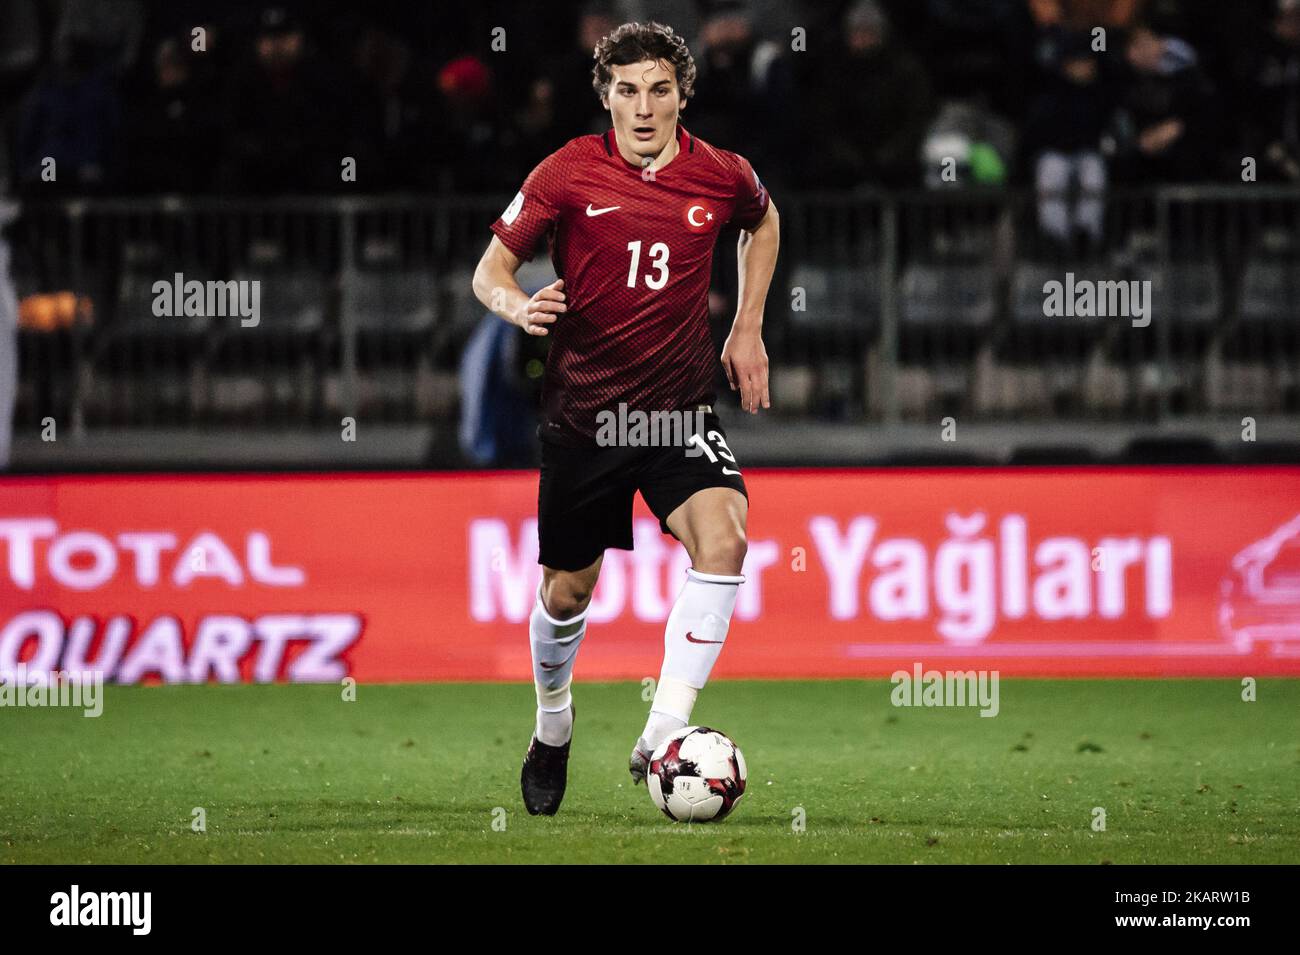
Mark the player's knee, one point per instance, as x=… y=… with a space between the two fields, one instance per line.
x=722 y=553
x=564 y=600
x=568 y=606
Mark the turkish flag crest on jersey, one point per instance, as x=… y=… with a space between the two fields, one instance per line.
x=700 y=216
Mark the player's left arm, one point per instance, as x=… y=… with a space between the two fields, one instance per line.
x=743 y=356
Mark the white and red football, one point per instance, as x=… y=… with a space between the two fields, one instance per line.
x=696 y=775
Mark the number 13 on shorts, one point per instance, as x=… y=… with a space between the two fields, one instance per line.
x=723 y=451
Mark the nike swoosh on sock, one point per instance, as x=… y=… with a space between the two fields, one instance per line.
x=697 y=640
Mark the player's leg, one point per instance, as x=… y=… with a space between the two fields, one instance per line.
x=584 y=505
x=710 y=522
x=711 y=526
x=555 y=631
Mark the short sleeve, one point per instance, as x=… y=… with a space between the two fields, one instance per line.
x=751 y=196
x=533 y=211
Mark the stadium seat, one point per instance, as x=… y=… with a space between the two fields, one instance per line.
x=1270 y=303
x=1027 y=296
x=1187 y=302
x=945 y=311
x=1259 y=351
x=945 y=314
x=399 y=302
x=1270 y=290
x=270 y=371
x=949 y=295
x=393 y=314
x=1032 y=337
x=1187 y=292
x=144 y=367
x=832 y=333
x=841 y=298
x=292 y=301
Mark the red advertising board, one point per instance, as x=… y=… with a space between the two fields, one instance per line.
x=413 y=577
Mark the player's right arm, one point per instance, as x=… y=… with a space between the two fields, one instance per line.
x=533 y=214
x=496 y=288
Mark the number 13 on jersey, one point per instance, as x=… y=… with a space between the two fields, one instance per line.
x=658 y=260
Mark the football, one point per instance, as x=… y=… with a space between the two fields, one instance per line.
x=696 y=775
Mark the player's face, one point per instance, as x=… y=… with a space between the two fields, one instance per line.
x=644 y=101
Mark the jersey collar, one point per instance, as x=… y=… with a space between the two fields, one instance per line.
x=685 y=144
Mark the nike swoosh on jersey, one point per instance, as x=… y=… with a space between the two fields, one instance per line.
x=551 y=666
x=600 y=212
x=698 y=640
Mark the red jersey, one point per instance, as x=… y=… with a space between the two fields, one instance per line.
x=636 y=255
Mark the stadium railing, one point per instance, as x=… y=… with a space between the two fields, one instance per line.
x=887 y=307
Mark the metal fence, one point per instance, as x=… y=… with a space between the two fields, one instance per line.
x=886 y=307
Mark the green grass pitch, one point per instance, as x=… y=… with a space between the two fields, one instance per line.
x=1185 y=770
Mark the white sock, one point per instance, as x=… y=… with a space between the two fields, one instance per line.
x=554 y=728
x=693 y=639
x=555 y=644
x=671 y=697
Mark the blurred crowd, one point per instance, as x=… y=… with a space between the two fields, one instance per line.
x=129 y=96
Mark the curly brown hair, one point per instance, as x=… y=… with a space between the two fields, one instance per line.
x=635 y=42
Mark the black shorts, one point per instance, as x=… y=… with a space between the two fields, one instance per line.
x=584 y=498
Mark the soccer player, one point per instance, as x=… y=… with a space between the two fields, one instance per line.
x=631 y=218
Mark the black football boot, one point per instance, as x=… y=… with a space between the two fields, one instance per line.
x=545 y=773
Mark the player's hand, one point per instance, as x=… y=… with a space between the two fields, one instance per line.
x=745 y=360
x=546 y=305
